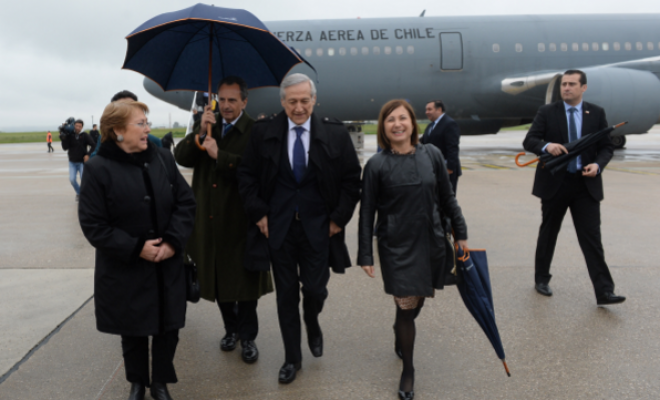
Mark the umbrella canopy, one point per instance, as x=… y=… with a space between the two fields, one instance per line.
x=476 y=293
x=575 y=148
x=181 y=49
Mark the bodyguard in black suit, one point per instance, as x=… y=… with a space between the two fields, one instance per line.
x=579 y=188
x=300 y=180
x=444 y=134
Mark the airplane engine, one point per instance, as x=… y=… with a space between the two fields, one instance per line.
x=625 y=94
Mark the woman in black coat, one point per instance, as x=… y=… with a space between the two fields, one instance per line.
x=138 y=212
x=408 y=185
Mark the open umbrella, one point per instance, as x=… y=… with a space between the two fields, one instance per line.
x=575 y=148
x=476 y=293
x=195 y=48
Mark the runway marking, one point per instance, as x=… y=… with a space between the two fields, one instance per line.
x=493 y=166
x=632 y=171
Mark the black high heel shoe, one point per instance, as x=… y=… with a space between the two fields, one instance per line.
x=406 y=395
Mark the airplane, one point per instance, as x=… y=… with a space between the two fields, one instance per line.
x=490 y=71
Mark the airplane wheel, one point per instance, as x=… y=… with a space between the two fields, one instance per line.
x=619 y=141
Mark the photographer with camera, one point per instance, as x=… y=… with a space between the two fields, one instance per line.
x=79 y=146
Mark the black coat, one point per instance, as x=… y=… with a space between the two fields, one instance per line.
x=77 y=146
x=338 y=175
x=125 y=200
x=409 y=192
x=446 y=136
x=551 y=126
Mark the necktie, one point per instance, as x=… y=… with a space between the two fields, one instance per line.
x=299 y=165
x=431 y=126
x=226 y=128
x=572 y=136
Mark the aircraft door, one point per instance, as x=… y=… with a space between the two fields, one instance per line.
x=451 y=51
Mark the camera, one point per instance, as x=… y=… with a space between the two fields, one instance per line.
x=67 y=127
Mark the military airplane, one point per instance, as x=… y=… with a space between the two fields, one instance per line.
x=490 y=71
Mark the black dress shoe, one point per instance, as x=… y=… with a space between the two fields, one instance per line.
x=609 y=298
x=159 y=391
x=406 y=395
x=288 y=372
x=228 y=343
x=544 y=289
x=250 y=352
x=316 y=345
x=137 y=392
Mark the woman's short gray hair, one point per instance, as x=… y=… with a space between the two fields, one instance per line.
x=295 y=79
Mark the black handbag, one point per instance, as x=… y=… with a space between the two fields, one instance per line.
x=193 y=292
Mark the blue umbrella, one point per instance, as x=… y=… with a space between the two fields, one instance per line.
x=477 y=295
x=195 y=48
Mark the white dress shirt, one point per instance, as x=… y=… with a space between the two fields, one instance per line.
x=305 y=137
x=224 y=121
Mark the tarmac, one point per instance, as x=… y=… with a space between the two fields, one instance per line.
x=562 y=347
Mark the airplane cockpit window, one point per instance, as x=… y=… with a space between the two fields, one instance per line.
x=365 y=51
x=575 y=47
x=519 y=48
x=628 y=46
x=585 y=46
x=354 y=51
x=594 y=46
x=496 y=48
x=331 y=51
x=342 y=51
x=411 y=49
x=319 y=52
x=616 y=46
x=649 y=45
x=639 y=46
x=399 y=50
x=308 y=52
x=541 y=47
x=605 y=46
x=552 y=47
x=388 y=50
x=564 y=47
x=376 y=50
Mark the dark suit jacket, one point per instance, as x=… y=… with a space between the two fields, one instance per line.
x=338 y=173
x=551 y=126
x=446 y=137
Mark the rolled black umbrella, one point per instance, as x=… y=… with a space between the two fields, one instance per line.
x=575 y=148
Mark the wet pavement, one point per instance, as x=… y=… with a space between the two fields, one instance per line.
x=563 y=347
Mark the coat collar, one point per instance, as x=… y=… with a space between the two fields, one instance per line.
x=243 y=122
x=111 y=151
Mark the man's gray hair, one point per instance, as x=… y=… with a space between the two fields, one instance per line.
x=295 y=79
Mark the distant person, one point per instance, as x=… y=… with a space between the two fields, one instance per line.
x=79 y=146
x=300 y=180
x=217 y=244
x=49 y=140
x=94 y=133
x=408 y=187
x=126 y=95
x=443 y=133
x=261 y=116
x=579 y=187
x=138 y=212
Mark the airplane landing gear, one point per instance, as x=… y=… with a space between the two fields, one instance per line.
x=619 y=141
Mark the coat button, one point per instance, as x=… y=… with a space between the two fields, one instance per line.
x=231 y=165
x=151 y=232
x=147 y=199
x=215 y=186
x=210 y=216
x=146 y=165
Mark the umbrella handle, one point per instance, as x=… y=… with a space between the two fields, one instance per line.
x=525 y=164
x=208 y=133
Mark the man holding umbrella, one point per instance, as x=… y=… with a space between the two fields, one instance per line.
x=217 y=244
x=579 y=187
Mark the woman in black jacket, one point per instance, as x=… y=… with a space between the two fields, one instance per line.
x=408 y=185
x=137 y=211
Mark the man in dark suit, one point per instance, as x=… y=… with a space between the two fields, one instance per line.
x=579 y=187
x=443 y=133
x=300 y=180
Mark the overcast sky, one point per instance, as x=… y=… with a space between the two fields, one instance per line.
x=64 y=58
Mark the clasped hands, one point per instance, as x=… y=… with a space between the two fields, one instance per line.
x=156 y=250
x=557 y=149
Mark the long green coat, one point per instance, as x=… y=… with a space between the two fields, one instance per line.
x=217 y=244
